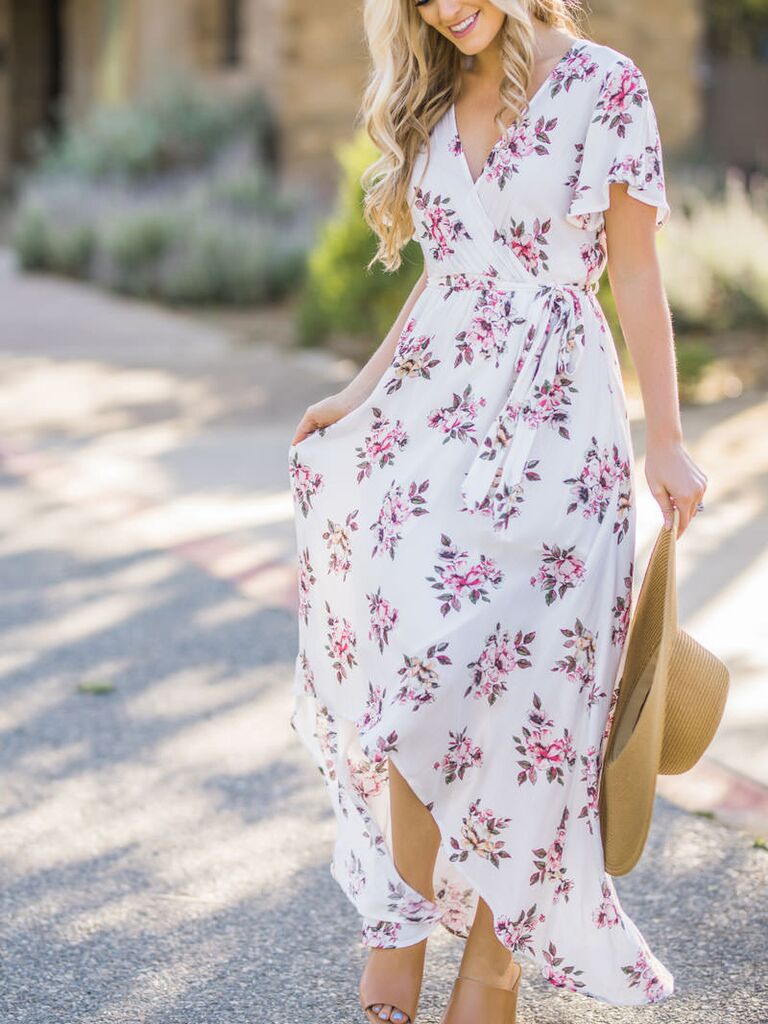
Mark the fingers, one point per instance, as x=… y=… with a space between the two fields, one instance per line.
x=662 y=496
x=307 y=425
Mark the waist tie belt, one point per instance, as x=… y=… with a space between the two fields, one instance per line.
x=538 y=395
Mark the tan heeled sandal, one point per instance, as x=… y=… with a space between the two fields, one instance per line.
x=472 y=1000
x=392 y=991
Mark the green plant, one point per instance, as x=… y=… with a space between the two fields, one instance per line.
x=61 y=249
x=693 y=357
x=176 y=125
x=340 y=293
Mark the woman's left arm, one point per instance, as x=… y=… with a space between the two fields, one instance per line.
x=635 y=278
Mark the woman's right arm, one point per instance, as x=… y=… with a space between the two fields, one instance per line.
x=332 y=408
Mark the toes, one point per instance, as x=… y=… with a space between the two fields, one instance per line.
x=398 y=1017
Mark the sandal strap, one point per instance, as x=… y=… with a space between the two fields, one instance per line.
x=473 y=999
x=392 y=991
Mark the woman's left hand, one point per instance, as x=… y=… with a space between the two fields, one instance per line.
x=674 y=479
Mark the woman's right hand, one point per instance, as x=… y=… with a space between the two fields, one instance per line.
x=325 y=412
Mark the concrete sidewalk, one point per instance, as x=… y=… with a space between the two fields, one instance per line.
x=164 y=847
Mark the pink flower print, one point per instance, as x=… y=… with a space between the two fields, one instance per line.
x=543 y=753
x=462 y=754
x=517 y=934
x=577 y=68
x=304 y=483
x=547 y=405
x=457 y=420
x=355 y=875
x=440 y=223
x=456 y=904
x=454 y=145
x=549 y=863
x=559 y=572
x=520 y=141
x=380 y=934
x=572 y=181
x=327 y=739
x=560 y=977
x=503 y=500
x=337 y=540
x=421 y=676
x=642 y=973
x=590 y=776
x=372 y=711
x=457 y=578
x=621 y=611
x=645 y=169
x=410 y=905
x=479 y=831
x=604 y=471
x=307 y=580
x=308 y=674
x=370 y=774
x=623 y=88
x=500 y=656
x=493 y=319
x=607 y=914
x=396 y=510
x=527 y=246
x=341 y=645
x=381 y=445
x=413 y=358
x=593 y=256
x=579 y=663
x=383 y=618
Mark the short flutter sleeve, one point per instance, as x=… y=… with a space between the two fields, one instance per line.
x=622 y=144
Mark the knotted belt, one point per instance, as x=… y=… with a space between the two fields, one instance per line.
x=542 y=373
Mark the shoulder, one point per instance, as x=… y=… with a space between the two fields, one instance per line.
x=605 y=63
x=614 y=78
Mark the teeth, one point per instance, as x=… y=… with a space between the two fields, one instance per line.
x=463 y=24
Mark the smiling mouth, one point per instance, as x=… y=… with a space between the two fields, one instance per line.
x=461 y=28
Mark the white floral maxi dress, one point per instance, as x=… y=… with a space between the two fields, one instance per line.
x=466 y=544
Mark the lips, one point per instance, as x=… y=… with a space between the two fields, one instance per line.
x=468 y=28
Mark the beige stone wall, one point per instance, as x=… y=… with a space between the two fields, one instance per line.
x=323 y=73
x=664 y=38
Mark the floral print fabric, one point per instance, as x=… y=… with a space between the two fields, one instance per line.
x=466 y=547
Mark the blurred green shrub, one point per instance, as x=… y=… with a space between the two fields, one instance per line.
x=693 y=356
x=169 y=200
x=714 y=260
x=177 y=125
x=340 y=295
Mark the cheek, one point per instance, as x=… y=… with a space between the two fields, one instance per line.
x=493 y=17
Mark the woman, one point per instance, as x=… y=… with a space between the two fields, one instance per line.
x=465 y=507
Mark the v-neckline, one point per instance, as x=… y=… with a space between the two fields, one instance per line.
x=509 y=128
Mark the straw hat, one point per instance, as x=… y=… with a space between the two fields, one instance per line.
x=671 y=698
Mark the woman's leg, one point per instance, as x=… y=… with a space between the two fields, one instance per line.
x=415 y=841
x=415 y=835
x=485 y=959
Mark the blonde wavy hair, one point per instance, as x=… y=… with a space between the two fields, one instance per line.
x=415 y=76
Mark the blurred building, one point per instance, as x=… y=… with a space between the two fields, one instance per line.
x=60 y=57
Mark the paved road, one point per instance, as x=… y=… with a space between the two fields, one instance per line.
x=164 y=844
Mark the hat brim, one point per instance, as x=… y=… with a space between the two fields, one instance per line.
x=628 y=773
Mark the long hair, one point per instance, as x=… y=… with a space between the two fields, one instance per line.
x=415 y=76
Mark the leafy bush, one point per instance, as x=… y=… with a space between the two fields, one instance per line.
x=176 y=126
x=167 y=200
x=715 y=260
x=341 y=295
